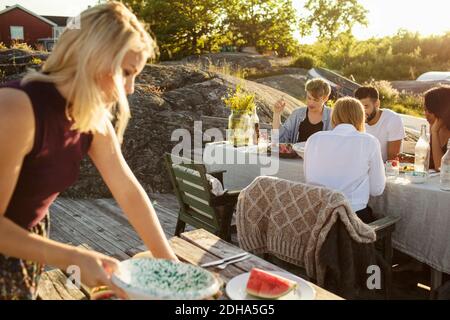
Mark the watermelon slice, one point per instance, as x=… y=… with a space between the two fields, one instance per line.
x=266 y=285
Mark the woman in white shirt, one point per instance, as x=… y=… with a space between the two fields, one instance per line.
x=347 y=159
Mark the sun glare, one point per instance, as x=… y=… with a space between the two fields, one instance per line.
x=386 y=17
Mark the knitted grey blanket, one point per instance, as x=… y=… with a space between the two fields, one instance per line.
x=291 y=221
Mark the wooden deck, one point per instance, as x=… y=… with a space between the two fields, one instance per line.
x=101 y=225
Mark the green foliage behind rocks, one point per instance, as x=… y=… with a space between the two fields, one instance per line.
x=404 y=56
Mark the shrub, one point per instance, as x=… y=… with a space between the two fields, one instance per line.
x=21 y=46
x=3 y=46
x=400 y=102
x=388 y=95
x=305 y=61
x=405 y=110
x=413 y=102
x=36 y=61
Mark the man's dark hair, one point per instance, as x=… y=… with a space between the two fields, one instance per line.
x=367 y=92
x=437 y=101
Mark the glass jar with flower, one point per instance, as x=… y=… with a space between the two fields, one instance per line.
x=240 y=125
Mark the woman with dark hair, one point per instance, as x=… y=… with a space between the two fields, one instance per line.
x=437 y=111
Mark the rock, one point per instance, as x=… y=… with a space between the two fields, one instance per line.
x=170 y=97
x=20 y=56
x=253 y=64
x=290 y=70
x=15 y=61
x=292 y=84
x=12 y=69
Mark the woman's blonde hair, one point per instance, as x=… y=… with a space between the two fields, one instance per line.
x=85 y=52
x=351 y=111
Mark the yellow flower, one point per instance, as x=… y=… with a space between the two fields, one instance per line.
x=239 y=101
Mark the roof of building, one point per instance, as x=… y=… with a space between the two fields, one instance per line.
x=18 y=6
x=60 y=21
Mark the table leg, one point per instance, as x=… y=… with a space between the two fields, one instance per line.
x=436 y=282
x=388 y=252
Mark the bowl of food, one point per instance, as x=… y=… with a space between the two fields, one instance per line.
x=416 y=177
x=299 y=148
x=406 y=167
x=284 y=150
x=157 y=279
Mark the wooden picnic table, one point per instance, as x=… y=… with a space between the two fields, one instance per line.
x=199 y=246
x=195 y=247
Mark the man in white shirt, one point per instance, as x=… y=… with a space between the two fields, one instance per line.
x=384 y=124
x=346 y=159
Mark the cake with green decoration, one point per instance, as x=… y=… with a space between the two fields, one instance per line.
x=164 y=280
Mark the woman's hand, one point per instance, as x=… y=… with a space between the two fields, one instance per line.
x=173 y=257
x=279 y=106
x=97 y=269
x=149 y=255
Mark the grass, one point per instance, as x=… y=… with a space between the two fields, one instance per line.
x=274 y=72
x=227 y=69
x=407 y=103
x=405 y=110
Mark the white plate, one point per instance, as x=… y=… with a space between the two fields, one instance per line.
x=236 y=288
x=300 y=149
x=155 y=279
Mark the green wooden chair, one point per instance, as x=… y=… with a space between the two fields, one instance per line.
x=199 y=207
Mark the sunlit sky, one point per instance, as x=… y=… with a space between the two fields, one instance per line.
x=385 y=17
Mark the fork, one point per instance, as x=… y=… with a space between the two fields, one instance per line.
x=224 y=265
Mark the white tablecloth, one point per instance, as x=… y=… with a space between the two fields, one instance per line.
x=423 y=231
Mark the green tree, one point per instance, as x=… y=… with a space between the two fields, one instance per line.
x=181 y=27
x=265 y=24
x=332 y=18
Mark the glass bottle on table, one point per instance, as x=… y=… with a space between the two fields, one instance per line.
x=255 y=120
x=422 y=152
x=445 y=169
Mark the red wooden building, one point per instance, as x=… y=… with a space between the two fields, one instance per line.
x=22 y=25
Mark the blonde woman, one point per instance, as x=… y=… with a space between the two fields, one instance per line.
x=49 y=121
x=347 y=159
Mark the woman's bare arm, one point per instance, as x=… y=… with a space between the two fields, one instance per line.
x=106 y=154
